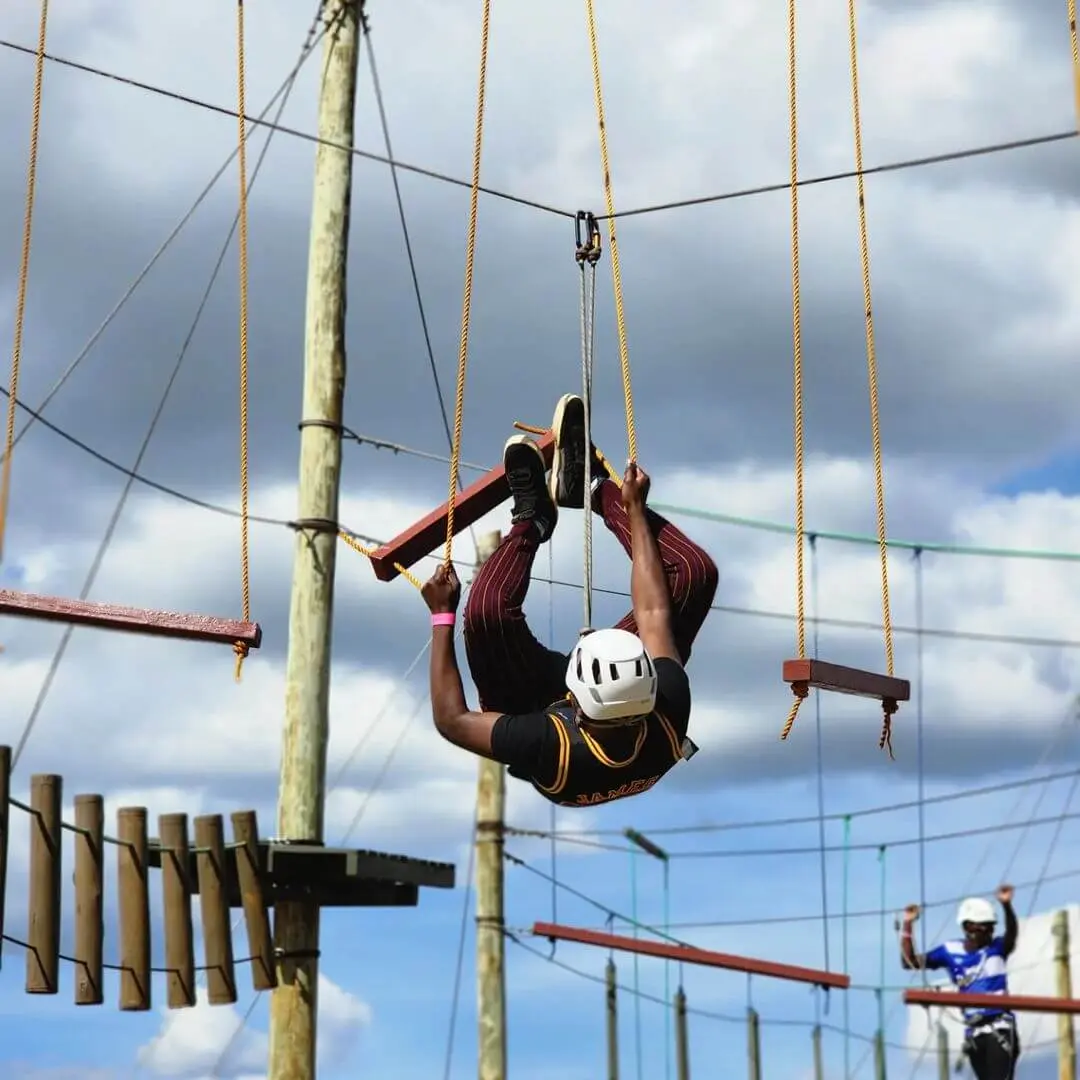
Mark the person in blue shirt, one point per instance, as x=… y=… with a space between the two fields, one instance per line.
x=976 y=964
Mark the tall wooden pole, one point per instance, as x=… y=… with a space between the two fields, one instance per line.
x=293 y=1006
x=490 y=943
x=612 y=1011
x=1066 y=1030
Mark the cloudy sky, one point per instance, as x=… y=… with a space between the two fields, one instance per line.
x=976 y=334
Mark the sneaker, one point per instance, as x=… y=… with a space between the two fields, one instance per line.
x=525 y=471
x=568 y=462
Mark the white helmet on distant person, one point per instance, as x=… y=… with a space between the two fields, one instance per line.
x=975 y=910
x=612 y=676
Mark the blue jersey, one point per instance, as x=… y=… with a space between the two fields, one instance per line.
x=978 y=972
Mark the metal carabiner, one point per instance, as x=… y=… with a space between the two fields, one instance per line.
x=587 y=237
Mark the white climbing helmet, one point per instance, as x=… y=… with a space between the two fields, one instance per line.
x=611 y=676
x=975 y=910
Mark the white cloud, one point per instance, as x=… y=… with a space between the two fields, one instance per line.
x=191 y=1042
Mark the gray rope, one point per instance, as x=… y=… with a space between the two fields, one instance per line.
x=588 y=321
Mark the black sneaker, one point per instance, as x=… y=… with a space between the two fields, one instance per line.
x=568 y=463
x=525 y=475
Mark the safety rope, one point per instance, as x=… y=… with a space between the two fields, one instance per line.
x=240 y=648
x=800 y=689
x=24 y=272
x=587 y=254
x=1075 y=43
x=871 y=356
x=609 y=200
x=466 y=303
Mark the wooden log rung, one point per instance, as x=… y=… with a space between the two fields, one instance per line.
x=478 y=499
x=89 y=899
x=821 y=675
x=687 y=954
x=952 y=999
x=43 y=937
x=214 y=903
x=144 y=621
x=134 y=903
x=253 y=900
x=176 y=895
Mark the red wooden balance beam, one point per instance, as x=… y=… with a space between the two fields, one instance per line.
x=478 y=499
x=687 y=954
x=819 y=675
x=1016 y=1003
x=132 y=620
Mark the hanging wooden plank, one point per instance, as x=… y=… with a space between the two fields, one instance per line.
x=133 y=620
x=687 y=954
x=951 y=999
x=820 y=675
x=478 y=499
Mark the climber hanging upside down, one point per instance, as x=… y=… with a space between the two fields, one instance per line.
x=610 y=719
x=976 y=965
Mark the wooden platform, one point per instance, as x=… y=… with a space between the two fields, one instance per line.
x=333 y=877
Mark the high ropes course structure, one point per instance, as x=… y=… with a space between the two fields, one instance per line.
x=254 y=874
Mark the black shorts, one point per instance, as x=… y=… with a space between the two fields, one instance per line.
x=993 y=1050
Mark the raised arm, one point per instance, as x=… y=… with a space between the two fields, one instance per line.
x=453 y=718
x=649 y=591
x=910 y=960
x=1012 y=924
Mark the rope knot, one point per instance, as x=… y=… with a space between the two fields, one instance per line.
x=241 y=649
x=801 y=690
x=889 y=708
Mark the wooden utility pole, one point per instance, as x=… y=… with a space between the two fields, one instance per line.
x=612 y=1001
x=1066 y=1030
x=682 y=1038
x=302 y=791
x=490 y=944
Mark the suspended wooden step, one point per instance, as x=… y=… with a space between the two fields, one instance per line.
x=952 y=999
x=820 y=675
x=145 y=621
x=478 y=499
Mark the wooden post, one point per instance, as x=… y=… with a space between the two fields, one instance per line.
x=682 y=1038
x=134 y=897
x=89 y=899
x=5 y=817
x=260 y=941
x=879 y=1055
x=293 y=1007
x=753 y=1043
x=490 y=943
x=176 y=903
x=43 y=956
x=1066 y=1028
x=214 y=904
x=942 y=1052
x=612 y=997
x=819 y=1058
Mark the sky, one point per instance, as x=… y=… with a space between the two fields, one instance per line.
x=801 y=851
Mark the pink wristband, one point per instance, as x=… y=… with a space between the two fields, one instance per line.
x=443 y=618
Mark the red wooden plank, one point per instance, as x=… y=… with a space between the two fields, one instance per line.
x=687 y=954
x=478 y=499
x=1016 y=1003
x=846 y=680
x=133 y=620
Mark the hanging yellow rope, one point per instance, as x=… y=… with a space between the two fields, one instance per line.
x=24 y=273
x=1075 y=58
x=871 y=362
x=797 y=350
x=240 y=648
x=609 y=200
x=466 y=303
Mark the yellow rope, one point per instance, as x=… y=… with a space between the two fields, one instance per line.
x=241 y=648
x=24 y=273
x=799 y=689
x=358 y=547
x=1075 y=58
x=871 y=355
x=466 y=303
x=616 y=273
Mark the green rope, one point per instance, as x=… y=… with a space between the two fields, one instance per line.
x=637 y=987
x=844 y=947
x=862 y=538
x=881 y=969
